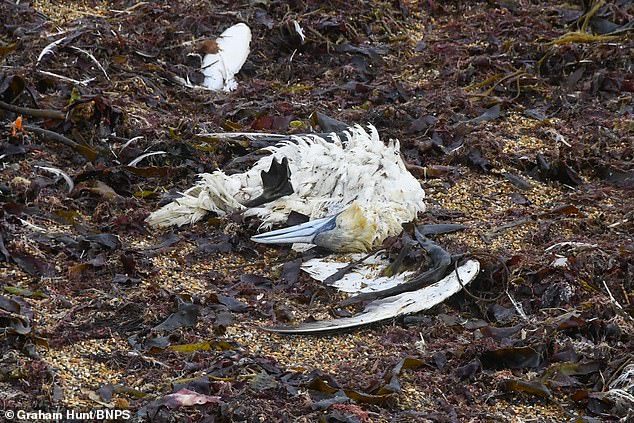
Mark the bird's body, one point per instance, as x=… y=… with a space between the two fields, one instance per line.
x=355 y=190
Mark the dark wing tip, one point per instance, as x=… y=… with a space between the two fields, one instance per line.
x=276 y=183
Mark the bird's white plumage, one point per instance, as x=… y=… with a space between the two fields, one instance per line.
x=233 y=49
x=327 y=177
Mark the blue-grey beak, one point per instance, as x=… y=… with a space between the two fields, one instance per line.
x=303 y=233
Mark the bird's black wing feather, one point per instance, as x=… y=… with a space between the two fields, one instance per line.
x=276 y=182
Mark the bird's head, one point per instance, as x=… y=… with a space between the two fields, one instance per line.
x=347 y=231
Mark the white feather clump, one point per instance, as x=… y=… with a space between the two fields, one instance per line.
x=220 y=68
x=213 y=193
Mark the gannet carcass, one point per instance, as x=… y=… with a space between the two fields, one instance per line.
x=354 y=188
x=356 y=192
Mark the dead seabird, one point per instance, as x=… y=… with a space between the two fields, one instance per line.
x=354 y=188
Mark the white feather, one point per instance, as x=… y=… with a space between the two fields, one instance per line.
x=85 y=82
x=93 y=58
x=32 y=226
x=233 y=49
x=136 y=161
x=61 y=173
x=50 y=49
x=130 y=141
x=299 y=30
x=215 y=192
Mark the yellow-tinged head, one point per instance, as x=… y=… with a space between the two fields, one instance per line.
x=353 y=232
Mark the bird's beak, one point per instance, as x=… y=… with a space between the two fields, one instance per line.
x=303 y=233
